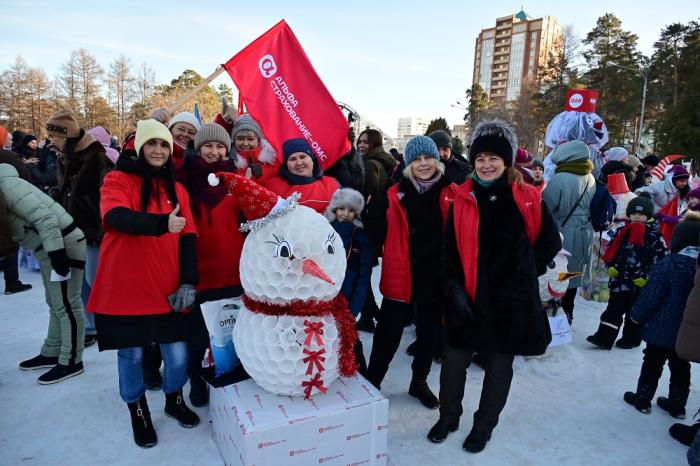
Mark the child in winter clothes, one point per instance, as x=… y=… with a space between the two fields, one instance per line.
x=344 y=214
x=634 y=247
x=659 y=310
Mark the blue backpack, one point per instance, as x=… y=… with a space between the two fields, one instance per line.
x=603 y=208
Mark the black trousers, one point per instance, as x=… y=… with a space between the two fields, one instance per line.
x=655 y=358
x=10 y=268
x=494 y=392
x=567 y=302
x=619 y=307
x=387 y=337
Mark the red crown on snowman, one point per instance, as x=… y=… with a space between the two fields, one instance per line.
x=259 y=204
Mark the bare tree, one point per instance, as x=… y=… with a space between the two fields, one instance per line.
x=39 y=94
x=69 y=82
x=145 y=83
x=89 y=74
x=122 y=90
x=14 y=90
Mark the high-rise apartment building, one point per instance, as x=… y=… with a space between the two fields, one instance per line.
x=513 y=51
x=411 y=126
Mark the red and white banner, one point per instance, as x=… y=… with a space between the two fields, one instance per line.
x=282 y=91
x=659 y=171
x=581 y=100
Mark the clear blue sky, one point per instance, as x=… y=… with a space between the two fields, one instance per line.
x=387 y=59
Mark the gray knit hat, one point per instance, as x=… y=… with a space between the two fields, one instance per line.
x=346 y=197
x=420 y=145
x=246 y=123
x=212 y=132
x=441 y=138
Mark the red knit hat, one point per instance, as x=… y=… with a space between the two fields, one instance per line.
x=259 y=204
x=523 y=158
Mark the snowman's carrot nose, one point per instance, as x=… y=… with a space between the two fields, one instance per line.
x=312 y=268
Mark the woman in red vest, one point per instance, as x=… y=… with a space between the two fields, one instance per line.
x=499 y=238
x=146 y=275
x=301 y=173
x=219 y=241
x=416 y=216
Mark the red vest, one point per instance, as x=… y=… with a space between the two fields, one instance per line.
x=396 y=264
x=219 y=245
x=466 y=223
x=316 y=195
x=136 y=273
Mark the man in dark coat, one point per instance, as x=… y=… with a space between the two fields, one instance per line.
x=456 y=170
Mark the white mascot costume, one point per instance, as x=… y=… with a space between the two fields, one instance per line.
x=296 y=334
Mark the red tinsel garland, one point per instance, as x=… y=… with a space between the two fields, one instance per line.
x=336 y=307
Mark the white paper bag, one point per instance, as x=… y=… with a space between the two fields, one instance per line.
x=561 y=332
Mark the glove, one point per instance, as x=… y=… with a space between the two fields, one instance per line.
x=228 y=113
x=256 y=169
x=461 y=312
x=183 y=298
x=640 y=282
x=613 y=272
x=60 y=262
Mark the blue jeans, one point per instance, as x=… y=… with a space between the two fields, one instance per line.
x=130 y=360
x=93 y=253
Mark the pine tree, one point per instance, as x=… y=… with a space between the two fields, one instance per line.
x=436 y=124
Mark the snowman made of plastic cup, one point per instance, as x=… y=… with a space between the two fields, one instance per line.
x=295 y=335
x=555 y=281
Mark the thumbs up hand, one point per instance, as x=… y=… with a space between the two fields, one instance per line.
x=175 y=223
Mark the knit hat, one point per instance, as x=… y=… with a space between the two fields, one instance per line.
x=686 y=232
x=523 y=158
x=694 y=193
x=212 y=132
x=28 y=138
x=291 y=146
x=63 y=124
x=151 y=129
x=185 y=117
x=161 y=114
x=441 y=138
x=679 y=172
x=537 y=163
x=246 y=123
x=345 y=197
x=640 y=205
x=420 y=145
x=495 y=136
x=650 y=160
x=616 y=154
x=104 y=138
x=632 y=161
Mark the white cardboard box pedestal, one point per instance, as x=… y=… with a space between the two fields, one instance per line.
x=348 y=425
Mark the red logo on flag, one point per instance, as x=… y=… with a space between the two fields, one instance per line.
x=581 y=100
x=286 y=96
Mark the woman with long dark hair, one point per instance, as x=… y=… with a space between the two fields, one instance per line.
x=146 y=274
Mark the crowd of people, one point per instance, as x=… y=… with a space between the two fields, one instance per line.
x=131 y=239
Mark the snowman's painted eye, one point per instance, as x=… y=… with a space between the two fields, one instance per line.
x=551 y=265
x=330 y=249
x=283 y=249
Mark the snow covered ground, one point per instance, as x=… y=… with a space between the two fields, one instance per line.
x=564 y=409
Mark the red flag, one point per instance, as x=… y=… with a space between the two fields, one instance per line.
x=659 y=170
x=670 y=209
x=581 y=100
x=284 y=94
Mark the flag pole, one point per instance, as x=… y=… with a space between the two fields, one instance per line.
x=171 y=108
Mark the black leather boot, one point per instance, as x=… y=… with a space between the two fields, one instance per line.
x=476 y=440
x=420 y=389
x=175 y=407
x=675 y=403
x=144 y=433
x=439 y=432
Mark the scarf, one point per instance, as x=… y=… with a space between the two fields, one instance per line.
x=635 y=231
x=193 y=176
x=483 y=183
x=424 y=185
x=577 y=168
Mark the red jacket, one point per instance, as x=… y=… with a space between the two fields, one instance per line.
x=396 y=269
x=219 y=245
x=137 y=272
x=466 y=221
x=316 y=195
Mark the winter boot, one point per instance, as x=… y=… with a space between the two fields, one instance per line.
x=144 y=433
x=631 y=335
x=199 y=392
x=476 y=440
x=176 y=408
x=439 y=432
x=675 y=403
x=365 y=324
x=419 y=389
x=641 y=399
x=604 y=337
x=60 y=372
x=38 y=362
x=683 y=433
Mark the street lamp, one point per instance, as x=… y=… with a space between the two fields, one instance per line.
x=643 y=72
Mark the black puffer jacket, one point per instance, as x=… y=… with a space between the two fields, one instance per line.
x=507 y=314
